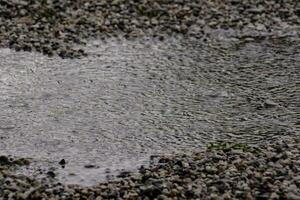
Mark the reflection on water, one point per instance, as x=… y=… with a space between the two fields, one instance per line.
x=131 y=99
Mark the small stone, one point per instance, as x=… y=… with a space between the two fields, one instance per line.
x=292 y=196
x=51 y=174
x=260 y=27
x=62 y=162
x=124 y=174
x=270 y=104
x=274 y=196
x=4 y=160
x=21 y=161
x=90 y=166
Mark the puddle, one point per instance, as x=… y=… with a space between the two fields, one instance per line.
x=131 y=99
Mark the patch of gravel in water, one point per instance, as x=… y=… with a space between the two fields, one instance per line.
x=269 y=171
x=53 y=27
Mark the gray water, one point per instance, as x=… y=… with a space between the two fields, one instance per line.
x=132 y=99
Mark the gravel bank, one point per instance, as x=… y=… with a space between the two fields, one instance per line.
x=223 y=171
x=53 y=27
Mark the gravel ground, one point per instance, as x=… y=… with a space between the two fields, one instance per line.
x=223 y=171
x=53 y=27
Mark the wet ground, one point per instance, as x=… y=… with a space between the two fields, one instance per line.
x=132 y=99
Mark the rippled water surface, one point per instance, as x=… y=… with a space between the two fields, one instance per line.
x=132 y=99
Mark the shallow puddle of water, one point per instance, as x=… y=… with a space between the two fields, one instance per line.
x=131 y=99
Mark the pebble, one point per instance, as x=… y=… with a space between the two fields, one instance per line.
x=35 y=26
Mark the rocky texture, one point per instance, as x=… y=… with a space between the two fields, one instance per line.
x=270 y=171
x=224 y=171
x=53 y=27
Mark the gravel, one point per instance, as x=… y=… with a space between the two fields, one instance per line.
x=223 y=171
x=56 y=27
